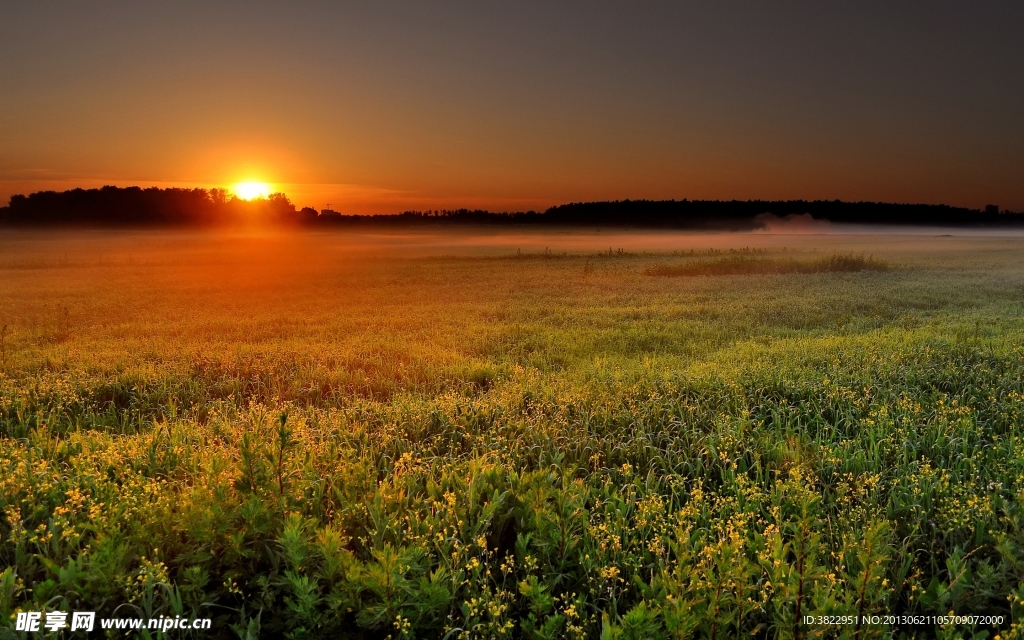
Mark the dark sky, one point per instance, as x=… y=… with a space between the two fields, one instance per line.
x=384 y=106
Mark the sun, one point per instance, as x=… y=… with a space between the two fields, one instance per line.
x=251 y=190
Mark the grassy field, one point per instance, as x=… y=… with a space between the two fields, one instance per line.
x=489 y=435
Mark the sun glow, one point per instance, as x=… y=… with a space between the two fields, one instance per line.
x=251 y=190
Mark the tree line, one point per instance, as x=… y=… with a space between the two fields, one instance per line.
x=750 y=212
x=134 y=206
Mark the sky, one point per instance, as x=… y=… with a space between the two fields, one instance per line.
x=376 y=107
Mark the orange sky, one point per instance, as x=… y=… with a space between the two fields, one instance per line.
x=386 y=107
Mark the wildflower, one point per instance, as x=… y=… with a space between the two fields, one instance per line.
x=610 y=573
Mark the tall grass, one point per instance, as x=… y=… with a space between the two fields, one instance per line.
x=506 y=448
x=748 y=265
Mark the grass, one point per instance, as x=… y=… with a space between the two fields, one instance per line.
x=335 y=436
x=748 y=265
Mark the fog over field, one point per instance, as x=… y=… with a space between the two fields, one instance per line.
x=778 y=233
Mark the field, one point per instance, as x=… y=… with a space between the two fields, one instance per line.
x=490 y=434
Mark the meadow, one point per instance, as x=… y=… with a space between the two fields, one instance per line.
x=488 y=434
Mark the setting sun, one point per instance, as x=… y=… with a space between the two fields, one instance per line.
x=251 y=190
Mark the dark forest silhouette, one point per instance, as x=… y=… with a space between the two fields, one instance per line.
x=133 y=206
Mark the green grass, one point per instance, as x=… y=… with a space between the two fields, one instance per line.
x=317 y=436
